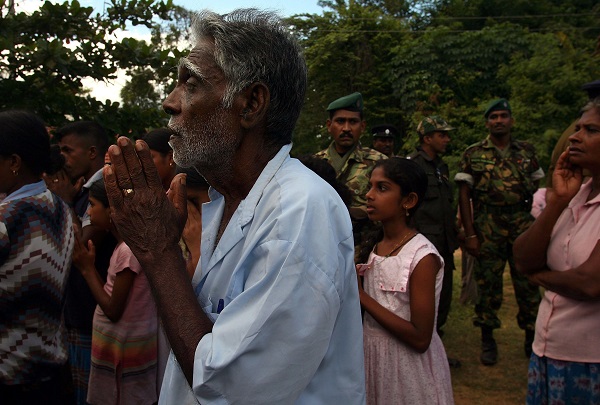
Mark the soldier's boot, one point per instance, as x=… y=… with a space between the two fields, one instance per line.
x=529 y=335
x=489 y=348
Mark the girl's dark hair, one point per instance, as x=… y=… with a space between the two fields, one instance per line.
x=411 y=178
x=23 y=133
x=98 y=191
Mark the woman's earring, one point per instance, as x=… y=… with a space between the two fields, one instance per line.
x=406 y=211
x=16 y=173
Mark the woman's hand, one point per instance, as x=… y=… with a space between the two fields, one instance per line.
x=566 y=180
x=60 y=184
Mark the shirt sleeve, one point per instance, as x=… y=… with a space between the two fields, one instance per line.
x=86 y=219
x=538 y=174
x=126 y=260
x=464 y=171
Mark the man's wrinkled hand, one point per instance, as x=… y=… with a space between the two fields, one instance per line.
x=145 y=218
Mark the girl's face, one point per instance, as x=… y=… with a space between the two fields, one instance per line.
x=384 y=199
x=99 y=214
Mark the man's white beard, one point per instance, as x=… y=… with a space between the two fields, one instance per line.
x=204 y=143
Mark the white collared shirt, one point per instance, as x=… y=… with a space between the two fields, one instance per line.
x=282 y=277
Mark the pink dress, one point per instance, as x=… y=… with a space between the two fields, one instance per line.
x=395 y=373
x=124 y=353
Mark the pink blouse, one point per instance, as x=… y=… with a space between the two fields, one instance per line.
x=569 y=329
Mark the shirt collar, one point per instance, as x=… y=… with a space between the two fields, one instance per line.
x=487 y=142
x=27 y=190
x=95 y=177
x=248 y=204
x=583 y=194
x=424 y=154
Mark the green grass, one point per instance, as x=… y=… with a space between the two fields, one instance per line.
x=474 y=383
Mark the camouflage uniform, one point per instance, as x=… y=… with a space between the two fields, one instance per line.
x=355 y=174
x=436 y=220
x=502 y=194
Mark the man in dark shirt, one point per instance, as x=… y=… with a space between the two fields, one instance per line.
x=436 y=217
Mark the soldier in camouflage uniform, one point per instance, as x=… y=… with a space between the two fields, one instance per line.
x=500 y=175
x=352 y=162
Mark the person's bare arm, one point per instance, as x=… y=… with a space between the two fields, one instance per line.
x=151 y=226
x=580 y=283
x=417 y=332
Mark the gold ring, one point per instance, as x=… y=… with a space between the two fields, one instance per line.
x=55 y=181
x=127 y=192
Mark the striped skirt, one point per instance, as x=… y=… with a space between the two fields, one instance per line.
x=124 y=363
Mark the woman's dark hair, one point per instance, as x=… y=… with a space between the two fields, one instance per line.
x=158 y=140
x=193 y=178
x=98 y=191
x=23 y=133
x=411 y=178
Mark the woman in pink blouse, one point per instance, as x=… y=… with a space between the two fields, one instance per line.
x=561 y=252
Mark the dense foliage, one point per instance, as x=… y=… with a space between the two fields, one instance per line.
x=450 y=58
x=409 y=59
x=46 y=55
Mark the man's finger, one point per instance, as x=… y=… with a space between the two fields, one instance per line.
x=113 y=191
x=125 y=164
x=149 y=168
x=178 y=196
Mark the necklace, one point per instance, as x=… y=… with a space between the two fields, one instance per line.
x=399 y=245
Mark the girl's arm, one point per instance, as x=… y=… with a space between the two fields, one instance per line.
x=580 y=283
x=417 y=332
x=112 y=305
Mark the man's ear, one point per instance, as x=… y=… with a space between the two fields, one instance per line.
x=93 y=152
x=255 y=104
x=15 y=163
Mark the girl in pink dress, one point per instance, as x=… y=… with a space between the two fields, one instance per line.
x=405 y=360
x=124 y=337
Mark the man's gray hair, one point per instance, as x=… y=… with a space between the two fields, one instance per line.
x=592 y=104
x=253 y=46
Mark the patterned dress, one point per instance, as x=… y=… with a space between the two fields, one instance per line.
x=124 y=353
x=395 y=373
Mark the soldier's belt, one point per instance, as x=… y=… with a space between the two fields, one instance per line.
x=524 y=206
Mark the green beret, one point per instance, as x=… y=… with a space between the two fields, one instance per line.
x=433 y=124
x=384 y=131
x=352 y=102
x=495 y=105
x=592 y=88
